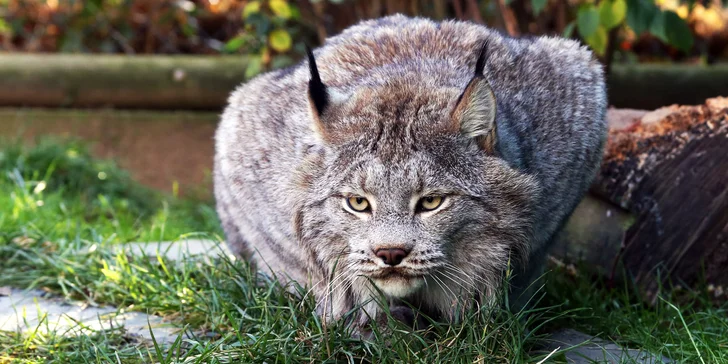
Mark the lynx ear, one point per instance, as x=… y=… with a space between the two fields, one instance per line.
x=474 y=113
x=318 y=94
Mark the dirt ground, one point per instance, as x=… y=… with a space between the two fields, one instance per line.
x=158 y=148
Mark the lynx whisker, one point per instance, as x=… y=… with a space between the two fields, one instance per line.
x=457 y=280
x=452 y=293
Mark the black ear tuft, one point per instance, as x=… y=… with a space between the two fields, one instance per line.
x=316 y=89
x=480 y=63
x=475 y=110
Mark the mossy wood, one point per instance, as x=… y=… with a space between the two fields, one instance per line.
x=151 y=82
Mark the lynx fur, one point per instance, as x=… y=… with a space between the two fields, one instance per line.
x=329 y=173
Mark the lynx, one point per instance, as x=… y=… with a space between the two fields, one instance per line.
x=410 y=160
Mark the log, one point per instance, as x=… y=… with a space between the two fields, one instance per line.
x=205 y=82
x=143 y=82
x=668 y=169
x=593 y=237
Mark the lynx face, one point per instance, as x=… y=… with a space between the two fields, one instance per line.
x=406 y=201
x=422 y=212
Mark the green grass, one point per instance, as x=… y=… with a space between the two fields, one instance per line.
x=230 y=318
x=58 y=189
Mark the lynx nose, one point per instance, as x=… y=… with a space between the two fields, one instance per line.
x=391 y=256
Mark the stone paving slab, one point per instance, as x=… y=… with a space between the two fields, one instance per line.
x=177 y=250
x=31 y=310
x=590 y=349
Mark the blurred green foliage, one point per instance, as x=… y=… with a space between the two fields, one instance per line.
x=273 y=32
x=268 y=35
x=269 y=31
x=594 y=21
x=52 y=180
x=69 y=166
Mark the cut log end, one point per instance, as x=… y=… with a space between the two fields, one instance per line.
x=669 y=169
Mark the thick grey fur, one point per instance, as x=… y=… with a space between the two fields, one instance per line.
x=391 y=133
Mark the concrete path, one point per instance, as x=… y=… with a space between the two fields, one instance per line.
x=589 y=349
x=177 y=250
x=28 y=311
x=35 y=310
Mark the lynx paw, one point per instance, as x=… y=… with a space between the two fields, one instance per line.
x=409 y=317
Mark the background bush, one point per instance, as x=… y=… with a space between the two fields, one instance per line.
x=273 y=32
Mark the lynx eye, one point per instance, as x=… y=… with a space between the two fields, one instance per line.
x=430 y=203
x=358 y=204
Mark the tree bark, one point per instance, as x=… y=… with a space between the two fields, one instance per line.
x=458 y=8
x=509 y=19
x=474 y=11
